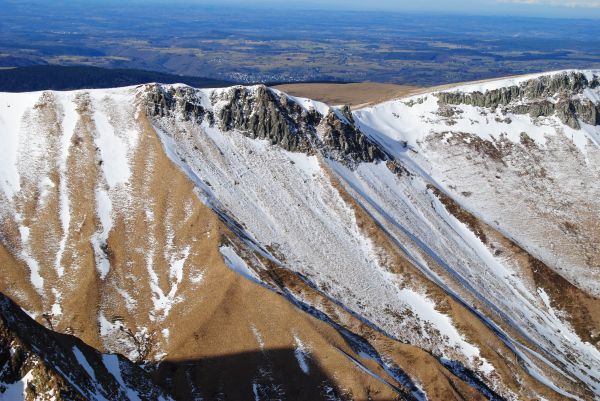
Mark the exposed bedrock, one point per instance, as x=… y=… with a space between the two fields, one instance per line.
x=262 y=113
x=533 y=98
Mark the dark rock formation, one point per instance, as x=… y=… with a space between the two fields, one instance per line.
x=532 y=96
x=261 y=114
x=264 y=114
x=565 y=111
x=586 y=111
x=542 y=108
x=162 y=101
x=346 y=140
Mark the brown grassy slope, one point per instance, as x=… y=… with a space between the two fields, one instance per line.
x=354 y=94
x=221 y=318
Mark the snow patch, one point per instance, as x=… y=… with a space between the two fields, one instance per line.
x=306 y=104
x=69 y=124
x=12 y=108
x=258 y=336
x=99 y=240
x=16 y=391
x=112 y=364
x=237 y=264
x=26 y=255
x=308 y=164
x=197 y=277
x=166 y=333
x=44 y=187
x=56 y=308
x=302 y=354
x=130 y=302
x=113 y=150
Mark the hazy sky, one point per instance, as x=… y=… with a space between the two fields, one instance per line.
x=525 y=8
x=542 y=8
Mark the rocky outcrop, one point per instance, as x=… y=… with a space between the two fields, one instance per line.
x=163 y=101
x=565 y=111
x=347 y=142
x=542 y=108
x=570 y=112
x=586 y=111
x=261 y=113
x=533 y=99
x=545 y=86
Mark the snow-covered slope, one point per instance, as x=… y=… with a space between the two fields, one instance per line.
x=522 y=154
x=436 y=247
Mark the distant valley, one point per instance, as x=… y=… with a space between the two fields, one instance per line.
x=274 y=45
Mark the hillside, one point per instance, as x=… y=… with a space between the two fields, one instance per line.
x=55 y=77
x=240 y=243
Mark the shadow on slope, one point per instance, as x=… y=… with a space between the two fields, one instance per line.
x=274 y=374
x=42 y=364
x=62 y=364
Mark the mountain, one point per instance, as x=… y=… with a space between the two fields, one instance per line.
x=241 y=243
x=56 y=77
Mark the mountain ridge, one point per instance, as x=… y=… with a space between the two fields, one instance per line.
x=343 y=216
x=56 y=77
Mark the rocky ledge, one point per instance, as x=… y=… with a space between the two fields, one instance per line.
x=551 y=95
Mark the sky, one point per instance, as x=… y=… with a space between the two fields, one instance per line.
x=589 y=9
x=529 y=8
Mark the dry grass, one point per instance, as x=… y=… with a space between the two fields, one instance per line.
x=356 y=94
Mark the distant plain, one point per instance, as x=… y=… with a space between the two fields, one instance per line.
x=279 y=46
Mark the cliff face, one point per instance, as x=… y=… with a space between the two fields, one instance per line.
x=263 y=113
x=240 y=243
x=531 y=97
